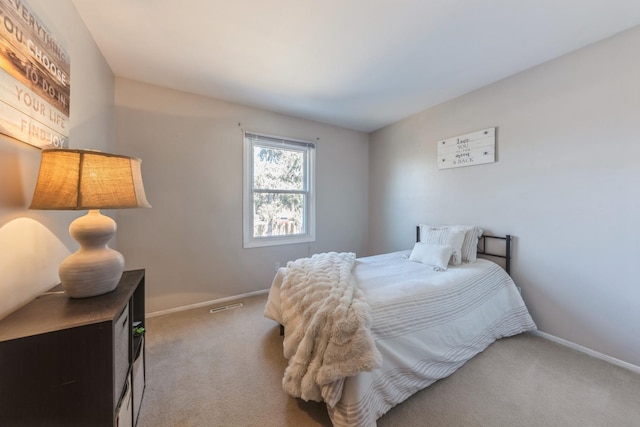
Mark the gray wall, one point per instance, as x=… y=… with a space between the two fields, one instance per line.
x=32 y=243
x=190 y=242
x=565 y=185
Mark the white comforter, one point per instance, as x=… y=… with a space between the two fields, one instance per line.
x=425 y=324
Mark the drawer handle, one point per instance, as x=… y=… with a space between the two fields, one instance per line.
x=124 y=322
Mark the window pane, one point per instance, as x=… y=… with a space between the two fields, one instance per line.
x=277 y=214
x=278 y=169
x=279 y=191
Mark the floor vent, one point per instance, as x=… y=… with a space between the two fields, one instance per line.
x=225 y=307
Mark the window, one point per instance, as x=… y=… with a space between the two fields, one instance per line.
x=279 y=200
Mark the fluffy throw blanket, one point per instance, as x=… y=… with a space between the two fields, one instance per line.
x=327 y=327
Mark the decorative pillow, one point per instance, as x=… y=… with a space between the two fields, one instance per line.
x=450 y=236
x=469 y=248
x=470 y=244
x=436 y=256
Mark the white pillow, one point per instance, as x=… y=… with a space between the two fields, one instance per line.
x=436 y=256
x=450 y=236
x=469 y=248
x=470 y=244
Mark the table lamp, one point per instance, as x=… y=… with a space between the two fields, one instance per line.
x=89 y=180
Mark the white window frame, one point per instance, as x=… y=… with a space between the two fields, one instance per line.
x=250 y=140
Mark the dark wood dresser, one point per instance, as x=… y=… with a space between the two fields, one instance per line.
x=75 y=362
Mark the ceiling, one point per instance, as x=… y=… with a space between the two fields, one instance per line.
x=359 y=64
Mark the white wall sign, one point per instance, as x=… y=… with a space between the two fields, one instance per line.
x=473 y=148
x=34 y=79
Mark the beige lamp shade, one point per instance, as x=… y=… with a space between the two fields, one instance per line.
x=89 y=180
x=85 y=179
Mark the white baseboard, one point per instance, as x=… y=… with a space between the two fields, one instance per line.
x=588 y=351
x=206 y=303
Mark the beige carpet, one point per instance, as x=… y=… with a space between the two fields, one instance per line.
x=225 y=369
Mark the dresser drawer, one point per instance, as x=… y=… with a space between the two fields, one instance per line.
x=125 y=411
x=121 y=337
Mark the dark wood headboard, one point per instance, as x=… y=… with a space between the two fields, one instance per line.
x=482 y=248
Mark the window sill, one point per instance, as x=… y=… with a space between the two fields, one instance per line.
x=276 y=241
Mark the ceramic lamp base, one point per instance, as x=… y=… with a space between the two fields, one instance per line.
x=94 y=269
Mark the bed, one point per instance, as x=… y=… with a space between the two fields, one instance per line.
x=364 y=334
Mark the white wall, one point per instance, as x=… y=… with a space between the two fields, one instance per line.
x=190 y=241
x=32 y=243
x=565 y=185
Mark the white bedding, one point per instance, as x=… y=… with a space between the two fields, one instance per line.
x=425 y=323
